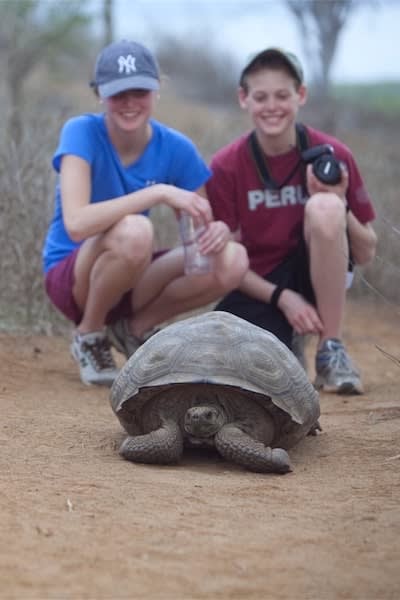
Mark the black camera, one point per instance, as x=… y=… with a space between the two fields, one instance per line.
x=325 y=165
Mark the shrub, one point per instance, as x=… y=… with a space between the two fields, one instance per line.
x=27 y=191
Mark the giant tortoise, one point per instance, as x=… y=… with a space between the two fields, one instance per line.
x=214 y=380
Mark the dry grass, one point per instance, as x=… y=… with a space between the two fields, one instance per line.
x=378 y=157
x=28 y=184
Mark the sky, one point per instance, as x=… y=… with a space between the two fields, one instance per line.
x=368 y=50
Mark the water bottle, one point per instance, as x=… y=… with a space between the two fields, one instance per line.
x=195 y=263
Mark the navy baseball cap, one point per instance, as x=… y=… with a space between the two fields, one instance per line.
x=123 y=66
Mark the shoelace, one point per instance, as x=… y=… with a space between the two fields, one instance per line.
x=336 y=357
x=100 y=354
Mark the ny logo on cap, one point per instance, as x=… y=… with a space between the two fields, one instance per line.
x=127 y=64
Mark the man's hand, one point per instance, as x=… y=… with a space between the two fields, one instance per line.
x=302 y=316
x=315 y=186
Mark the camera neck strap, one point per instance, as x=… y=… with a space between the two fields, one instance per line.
x=260 y=162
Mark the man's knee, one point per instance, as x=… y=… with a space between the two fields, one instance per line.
x=325 y=216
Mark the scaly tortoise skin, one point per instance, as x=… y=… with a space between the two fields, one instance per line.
x=214 y=380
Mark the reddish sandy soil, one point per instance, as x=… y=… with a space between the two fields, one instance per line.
x=77 y=521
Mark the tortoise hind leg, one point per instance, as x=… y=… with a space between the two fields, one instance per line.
x=161 y=446
x=237 y=446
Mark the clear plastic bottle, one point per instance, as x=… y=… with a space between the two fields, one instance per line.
x=195 y=262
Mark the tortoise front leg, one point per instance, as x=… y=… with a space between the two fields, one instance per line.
x=162 y=446
x=237 y=446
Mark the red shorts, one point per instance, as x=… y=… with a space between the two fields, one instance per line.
x=59 y=281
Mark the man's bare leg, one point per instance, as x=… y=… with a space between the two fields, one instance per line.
x=325 y=235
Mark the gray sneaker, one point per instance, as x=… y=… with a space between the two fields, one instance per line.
x=335 y=370
x=92 y=352
x=122 y=339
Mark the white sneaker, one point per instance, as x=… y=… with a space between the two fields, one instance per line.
x=92 y=352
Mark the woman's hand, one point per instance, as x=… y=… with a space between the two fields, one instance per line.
x=214 y=238
x=190 y=202
x=302 y=316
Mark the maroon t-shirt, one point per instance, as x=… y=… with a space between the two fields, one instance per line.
x=271 y=221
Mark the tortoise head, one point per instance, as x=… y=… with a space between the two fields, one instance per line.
x=204 y=421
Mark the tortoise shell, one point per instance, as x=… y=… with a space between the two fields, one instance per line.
x=221 y=349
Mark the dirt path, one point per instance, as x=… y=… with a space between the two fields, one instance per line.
x=77 y=521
